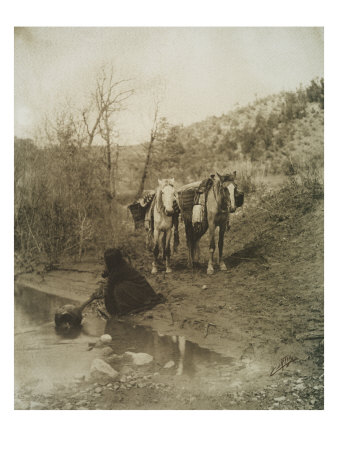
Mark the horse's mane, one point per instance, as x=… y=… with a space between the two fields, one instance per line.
x=223 y=193
x=158 y=198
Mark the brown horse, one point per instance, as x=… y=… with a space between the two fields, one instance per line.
x=220 y=202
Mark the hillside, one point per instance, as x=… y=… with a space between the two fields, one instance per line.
x=280 y=132
x=75 y=206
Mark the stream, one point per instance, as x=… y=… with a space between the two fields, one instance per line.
x=44 y=359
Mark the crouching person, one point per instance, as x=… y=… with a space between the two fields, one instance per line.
x=126 y=290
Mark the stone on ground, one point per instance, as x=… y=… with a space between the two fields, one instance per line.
x=101 y=371
x=106 y=339
x=140 y=358
x=168 y=365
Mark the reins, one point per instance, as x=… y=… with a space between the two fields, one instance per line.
x=221 y=190
x=159 y=202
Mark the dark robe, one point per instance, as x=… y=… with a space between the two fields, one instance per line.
x=128 y=291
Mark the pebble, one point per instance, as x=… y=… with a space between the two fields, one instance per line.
x=107 y=351
x=98 y=390
x=101 y=371
x=279 y=399
x=82 y=403
x=106 y=339
x=140 y=358
x=204 y=287
x=168 y=365
x=68 y=406
x=35 y=405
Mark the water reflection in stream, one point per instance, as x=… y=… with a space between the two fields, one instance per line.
x=44 y=357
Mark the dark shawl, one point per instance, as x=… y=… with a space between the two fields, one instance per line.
x=128 y=291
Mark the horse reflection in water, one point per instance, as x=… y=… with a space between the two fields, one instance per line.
x=181 y=348
x=186 y=355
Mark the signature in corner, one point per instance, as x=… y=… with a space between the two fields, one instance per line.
x=284 y=362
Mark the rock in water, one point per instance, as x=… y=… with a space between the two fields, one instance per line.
x=107 y=351
x=140 y=358
x=106 y=339
x=101 y=371
x=168 y=365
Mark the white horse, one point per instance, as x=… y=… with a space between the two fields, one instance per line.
x=163 y=220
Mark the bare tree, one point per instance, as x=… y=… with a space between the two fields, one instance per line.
x=156 y=132
x=108 y=99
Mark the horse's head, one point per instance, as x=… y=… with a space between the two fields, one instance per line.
x=166 y=194
x=227 y=185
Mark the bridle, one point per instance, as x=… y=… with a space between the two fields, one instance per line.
x=223 y=197
x=159 y=201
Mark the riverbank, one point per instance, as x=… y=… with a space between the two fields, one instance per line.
x=267 y=307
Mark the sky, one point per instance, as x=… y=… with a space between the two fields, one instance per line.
x=194 y=72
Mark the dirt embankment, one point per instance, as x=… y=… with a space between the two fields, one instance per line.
x=267 y=306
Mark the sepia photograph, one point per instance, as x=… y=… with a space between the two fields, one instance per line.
x=168 y=218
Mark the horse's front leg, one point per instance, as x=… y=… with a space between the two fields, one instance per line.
x=197 y=253
x=222 y=229
x=210 y=269
x=167 y=251
x=189 y=237
x=155 y=251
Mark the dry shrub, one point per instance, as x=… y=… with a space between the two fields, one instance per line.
x=251 y=176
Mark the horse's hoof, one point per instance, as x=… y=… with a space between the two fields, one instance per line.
x=210 y=271
x=168 y=270
x=223 y=267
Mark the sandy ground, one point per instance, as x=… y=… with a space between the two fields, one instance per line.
x=266 y=307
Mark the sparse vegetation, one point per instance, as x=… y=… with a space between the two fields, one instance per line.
x=71 y=193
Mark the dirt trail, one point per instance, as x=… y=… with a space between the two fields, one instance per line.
x=267 y=306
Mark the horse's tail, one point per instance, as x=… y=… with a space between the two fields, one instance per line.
x=176 y=233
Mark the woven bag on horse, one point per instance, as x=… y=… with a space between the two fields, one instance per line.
x=140 y=210
x=158 y=212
